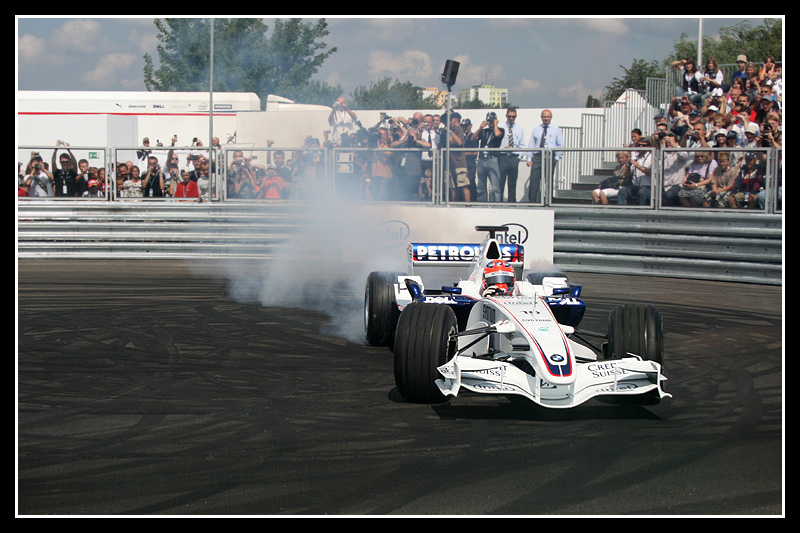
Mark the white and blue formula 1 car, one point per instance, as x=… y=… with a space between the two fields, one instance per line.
x=525 y=342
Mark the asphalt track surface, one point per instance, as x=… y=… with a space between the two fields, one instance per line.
x=154 y=388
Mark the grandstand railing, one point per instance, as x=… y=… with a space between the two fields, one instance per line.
x=705 y=243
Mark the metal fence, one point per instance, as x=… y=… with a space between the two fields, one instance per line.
x=567 y=176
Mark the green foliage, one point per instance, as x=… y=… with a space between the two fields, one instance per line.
x=247 y=58
x=742 y=38
x=386 y=94
x=634 y=77
x=755 y=42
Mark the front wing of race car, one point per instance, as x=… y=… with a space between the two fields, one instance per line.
x=630 y=376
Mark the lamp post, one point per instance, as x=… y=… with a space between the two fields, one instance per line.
x=449 y=75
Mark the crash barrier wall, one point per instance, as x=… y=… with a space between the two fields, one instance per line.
x=704 y=243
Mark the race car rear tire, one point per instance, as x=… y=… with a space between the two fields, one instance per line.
x=380 y=308
x=638 y=329
x=422 y=344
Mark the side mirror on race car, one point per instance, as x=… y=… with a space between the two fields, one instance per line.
x=414 y=289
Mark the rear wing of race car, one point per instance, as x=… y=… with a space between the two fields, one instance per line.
x=462 y=254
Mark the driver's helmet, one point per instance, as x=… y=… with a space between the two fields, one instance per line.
x=500 y=276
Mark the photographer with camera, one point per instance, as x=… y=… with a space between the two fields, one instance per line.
x=375 y=185
x=242 y=178
x=153 y=180
x=696 y=135
x=342 y=120
x=489 y=135
x=38 y=180
x=673 y=164
x=409 y=169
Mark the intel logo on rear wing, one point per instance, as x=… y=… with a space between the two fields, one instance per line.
x=459 y=253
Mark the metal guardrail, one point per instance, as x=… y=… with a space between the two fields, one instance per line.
x=709 y=245
x=712 y=245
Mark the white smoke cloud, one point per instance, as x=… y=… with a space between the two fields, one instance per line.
x=322 y=268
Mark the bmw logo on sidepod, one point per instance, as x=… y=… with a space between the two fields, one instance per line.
x=516 y=234
x=391 y=234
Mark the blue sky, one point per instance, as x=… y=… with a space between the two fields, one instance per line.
x=542 y=61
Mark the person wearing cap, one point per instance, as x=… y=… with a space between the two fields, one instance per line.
x=766 y=105
x=732 y=141
x=741 y=63
x=749 y=182
x=720 y=138
x=143 y=153
x=751 y=132
x=93 y=189
x=271 y=186
x=696 y=135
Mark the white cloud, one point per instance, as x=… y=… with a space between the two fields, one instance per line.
x=105 y=74
x=83 y=36
x=412 y=65
x=527 y=86
x=613 y=26
x=30 y=47
x=576 y=94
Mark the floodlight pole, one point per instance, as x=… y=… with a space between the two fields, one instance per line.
x=449 y=79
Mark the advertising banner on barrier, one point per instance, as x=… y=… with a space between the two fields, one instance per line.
x=386 y=230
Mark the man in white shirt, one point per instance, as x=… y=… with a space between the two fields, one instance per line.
x=509 y=161
x=547 y=136
x=341 y=119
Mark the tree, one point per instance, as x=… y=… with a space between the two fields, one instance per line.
x=755 y=42
x=247 y=58
x=386 y=94
x=635 y=78
x=591 y=101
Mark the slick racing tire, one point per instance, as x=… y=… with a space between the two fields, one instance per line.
x=637 y=329
x=380 y=308
x=422 y=344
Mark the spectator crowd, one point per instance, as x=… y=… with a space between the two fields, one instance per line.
x=724 y=125
x=393 y=159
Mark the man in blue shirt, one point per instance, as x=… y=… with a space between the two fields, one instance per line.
x=741 y=63
x=545 y=136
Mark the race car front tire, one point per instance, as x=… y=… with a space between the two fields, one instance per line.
x=637 y=329
x=423 y=342
x=380 y=308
